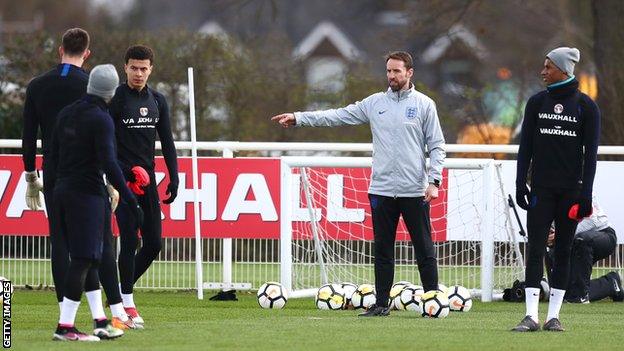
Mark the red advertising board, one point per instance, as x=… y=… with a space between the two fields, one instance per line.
x=238 y=198
x=342 y=205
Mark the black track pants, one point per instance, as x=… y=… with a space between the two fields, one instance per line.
x=385 y=213
x=133 y=264
x=550 y=205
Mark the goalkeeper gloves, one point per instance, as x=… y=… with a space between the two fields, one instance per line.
x=113 y=194
x=34 y=187
x=581 y=209
x=172 y=191
x=138 y=179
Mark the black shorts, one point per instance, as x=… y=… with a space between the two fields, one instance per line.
x=81 y=218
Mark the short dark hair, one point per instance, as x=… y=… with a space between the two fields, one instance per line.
x=401 y=56
x=75 y=41
x=139 y=52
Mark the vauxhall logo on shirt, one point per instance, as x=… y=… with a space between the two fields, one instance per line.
x=143 y=121
x=558 y=116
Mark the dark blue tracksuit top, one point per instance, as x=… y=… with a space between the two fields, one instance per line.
x=46 y=95
x=83 y=148
x=560 y=135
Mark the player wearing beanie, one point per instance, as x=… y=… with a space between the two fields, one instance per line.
x=46 y=95
x=82 y=149
x=559 y=140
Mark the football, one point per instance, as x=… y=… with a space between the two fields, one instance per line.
x=434 y=304
x=410 y=298
x=364 y=296
x=272 y=295
x=395 y=295
x=330 y=297
x=348 y=289
x=443 y=288
x=459 y=299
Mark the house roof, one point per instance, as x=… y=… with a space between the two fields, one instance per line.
x=326 y=30
x=442 y=43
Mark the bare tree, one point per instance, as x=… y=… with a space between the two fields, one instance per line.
x=608 y=54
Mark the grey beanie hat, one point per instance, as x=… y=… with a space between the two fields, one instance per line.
x=103 y=80
x=565 y=58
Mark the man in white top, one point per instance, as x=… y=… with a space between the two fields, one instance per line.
x=594 y=240
x=405 y=127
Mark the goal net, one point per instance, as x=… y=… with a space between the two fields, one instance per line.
x=330 y=239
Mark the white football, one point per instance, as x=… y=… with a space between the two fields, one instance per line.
x=395 y=295
x=411 y=298
x=459 y=299
x=434 y=304
x=272 y=295
x=348 y=289
x=364 y=296
x=330 y=297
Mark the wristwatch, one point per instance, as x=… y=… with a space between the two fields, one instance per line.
x=435 y=182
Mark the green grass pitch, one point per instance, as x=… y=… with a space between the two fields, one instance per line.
x=178 y=321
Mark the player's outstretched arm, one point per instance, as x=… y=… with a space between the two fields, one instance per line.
x=285 y=119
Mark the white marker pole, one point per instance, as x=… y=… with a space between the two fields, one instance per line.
x=199 y=275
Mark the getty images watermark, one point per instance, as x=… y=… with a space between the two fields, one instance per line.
x=5 y=293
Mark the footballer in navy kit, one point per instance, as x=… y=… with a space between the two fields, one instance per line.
x=559 y=140
x=82 y=150
x=140 y=114
x=46 y=95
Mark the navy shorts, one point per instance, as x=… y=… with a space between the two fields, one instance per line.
x=82 y=218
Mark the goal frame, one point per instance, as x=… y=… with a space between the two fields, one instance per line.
x=288 y=163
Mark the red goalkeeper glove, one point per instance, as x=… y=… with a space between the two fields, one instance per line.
x=583 y=208
x=141 y=180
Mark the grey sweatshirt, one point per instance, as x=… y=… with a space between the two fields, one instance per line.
x=404 y=125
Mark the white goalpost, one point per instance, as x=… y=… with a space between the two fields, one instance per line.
x=326 y=233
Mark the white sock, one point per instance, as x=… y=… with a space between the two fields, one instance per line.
x=94 y=298
x=128 y=300
x=532 y=302
x=554 y=305
x=117 y=310
x=60 y=306
x=68 y=312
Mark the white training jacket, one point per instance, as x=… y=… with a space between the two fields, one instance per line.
x=404 y=125
x=597 y=221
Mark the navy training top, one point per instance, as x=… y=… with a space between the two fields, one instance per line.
x=83 y=148
x=560 y=136
x=46 y=95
